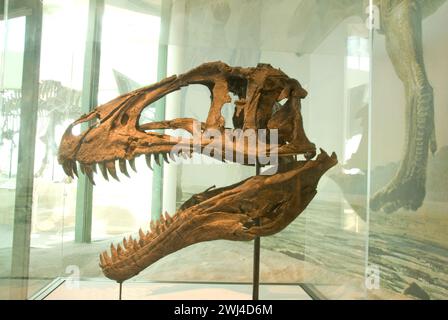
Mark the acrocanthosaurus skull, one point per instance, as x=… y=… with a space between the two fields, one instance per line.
x=115 y=134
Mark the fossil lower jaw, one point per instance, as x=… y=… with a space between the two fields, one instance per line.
x=168 y=235
x=225 y=213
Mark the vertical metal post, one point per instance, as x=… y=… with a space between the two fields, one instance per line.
x=83 y=223
x=25 y=166
x=120 y=290
x=256 y=268
x=369 y=138
x=157 y=175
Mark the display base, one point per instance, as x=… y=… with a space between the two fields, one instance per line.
x=65 y=289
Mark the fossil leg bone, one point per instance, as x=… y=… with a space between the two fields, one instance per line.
x=403 y=31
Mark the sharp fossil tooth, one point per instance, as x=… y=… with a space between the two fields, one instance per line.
x=148 y=160
x=93 y=166
x=110 y=165
x=171 y=155
x=132 y=164
x=68 y=168
x=107 y=258
x=83 y=168
x=162 y=219
x=168 y=218
x=114 y=253
x=136 y=245
x=123 y=168
x=158 y=229
x=130 y=242
x=75 y=168
x=89 y=173
x=102 y=261
x=141 y=234
x=125 y=242
x=157 y=158
x=165 y=157
x=104 y=170
x=153 y=226
x=183 y=155
x=120 y=250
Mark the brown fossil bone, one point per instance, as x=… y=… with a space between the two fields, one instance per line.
x=225 y=213
x=114 y=131
x=276 y=198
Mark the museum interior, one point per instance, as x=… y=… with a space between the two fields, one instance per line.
x=93 y=92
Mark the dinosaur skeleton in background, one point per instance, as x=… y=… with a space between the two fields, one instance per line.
x=56 y=103
x=115 y=134
x=401 y=23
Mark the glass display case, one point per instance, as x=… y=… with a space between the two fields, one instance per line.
x=375 y=75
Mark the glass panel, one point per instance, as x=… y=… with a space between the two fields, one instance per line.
x=197 y=34
x=54 y=196
x=119 y=208
x=11 y=65
x=129 y=53
x=408 y=238
x=326 y=244
x=376 y=228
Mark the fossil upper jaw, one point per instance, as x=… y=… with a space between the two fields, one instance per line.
x=113 y=130
x=111 y=151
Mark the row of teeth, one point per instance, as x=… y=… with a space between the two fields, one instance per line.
x=108 y=167
x=131 y=245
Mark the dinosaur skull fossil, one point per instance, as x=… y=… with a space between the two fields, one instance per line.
x=114 y=133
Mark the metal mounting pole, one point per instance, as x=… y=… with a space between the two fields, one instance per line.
x=256 y=268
